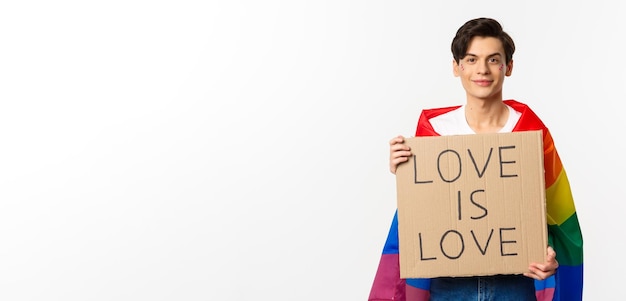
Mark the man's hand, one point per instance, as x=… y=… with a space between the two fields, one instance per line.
x=541 y=271
x=398 y=153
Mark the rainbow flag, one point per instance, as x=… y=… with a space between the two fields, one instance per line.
x=564 y=233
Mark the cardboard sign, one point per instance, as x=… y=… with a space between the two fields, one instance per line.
x=471 y=205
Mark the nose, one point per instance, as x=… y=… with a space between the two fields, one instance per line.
x=483 y=67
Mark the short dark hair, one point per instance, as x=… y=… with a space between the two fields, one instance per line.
x=481 y=27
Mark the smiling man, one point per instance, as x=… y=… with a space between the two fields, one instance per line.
x=482 y=59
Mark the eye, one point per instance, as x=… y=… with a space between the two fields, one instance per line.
x=494 y=60
x=471 y=60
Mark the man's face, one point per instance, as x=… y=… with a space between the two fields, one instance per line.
x=483 y=69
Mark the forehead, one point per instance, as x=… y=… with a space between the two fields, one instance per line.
x=482 y=46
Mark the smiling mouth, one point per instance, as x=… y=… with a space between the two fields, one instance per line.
x=483 y=83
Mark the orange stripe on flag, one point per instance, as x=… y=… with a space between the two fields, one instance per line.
x=552 y=162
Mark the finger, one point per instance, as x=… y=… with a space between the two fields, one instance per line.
x=531 y=275
x=541 y=267
x=538 y=274
x=393 y=163
x=397 y=139
x=546 y=267
x=399 y=146
x=398 y=160
x=551 y=254
x=400 y=153
x=535 y=276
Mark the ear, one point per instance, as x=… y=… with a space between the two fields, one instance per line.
x=509 y=68
x=455 y=68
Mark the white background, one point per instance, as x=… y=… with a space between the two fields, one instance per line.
x=237 y=150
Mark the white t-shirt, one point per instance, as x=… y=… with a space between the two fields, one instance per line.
x=454 y=122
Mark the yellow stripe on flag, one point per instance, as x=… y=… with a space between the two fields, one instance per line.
x=559 y=200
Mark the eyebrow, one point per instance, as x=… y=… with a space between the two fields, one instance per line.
x=491 y=55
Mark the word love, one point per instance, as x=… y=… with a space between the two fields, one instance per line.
x=452 y=159
x=451 y=239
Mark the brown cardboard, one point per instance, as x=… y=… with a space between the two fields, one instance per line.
x=500 y=225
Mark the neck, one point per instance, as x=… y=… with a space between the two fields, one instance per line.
x=486 y=116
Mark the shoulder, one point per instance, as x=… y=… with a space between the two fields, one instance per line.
x=528 y=119
x=424 y=127
x=518 y=106
x=434 y=112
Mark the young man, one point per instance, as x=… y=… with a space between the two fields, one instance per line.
x=483 y=57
